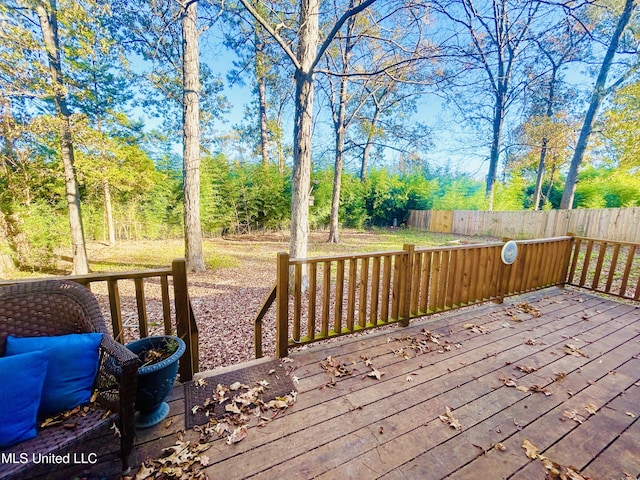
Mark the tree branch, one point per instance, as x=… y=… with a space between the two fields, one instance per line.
x=254 y=13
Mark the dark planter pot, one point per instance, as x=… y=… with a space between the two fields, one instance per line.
x=155 y=381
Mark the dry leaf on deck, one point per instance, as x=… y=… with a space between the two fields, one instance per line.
x=530 y=449
x=450 y=419
x=475 y=328
x=374 y=373
x=334 y=367
x=591 y=408
x=560 y=376
x=237 y=435
x=538 y=389
x=573 y=415
x=525 y=368
x=573 y=350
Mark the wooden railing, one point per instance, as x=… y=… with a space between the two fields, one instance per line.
x=606 y=267
x=184 y=326
x=325 y=297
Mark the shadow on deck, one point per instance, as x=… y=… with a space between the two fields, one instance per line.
x=558 y=368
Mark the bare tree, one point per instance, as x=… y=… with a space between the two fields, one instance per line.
x=308 y=53
x=381 y=52
x=558 y=47
x=487 y=41
x=600 y=91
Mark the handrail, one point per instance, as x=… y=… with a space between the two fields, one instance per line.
x=257 y=322
x=606 y=266
x=323 y=297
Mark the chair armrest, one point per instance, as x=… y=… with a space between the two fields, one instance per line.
x=116 y=387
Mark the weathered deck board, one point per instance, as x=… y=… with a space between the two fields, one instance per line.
x=364 y=428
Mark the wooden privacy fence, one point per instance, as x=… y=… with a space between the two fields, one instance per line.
x=616 y=224
x=325 y=297
x=184 y=325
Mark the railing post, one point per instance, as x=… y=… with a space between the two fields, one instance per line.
x=282 y=305
x=503 y=278
x=405 y=290
x=183 y=324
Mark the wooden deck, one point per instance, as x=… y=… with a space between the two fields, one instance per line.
x=359 y=427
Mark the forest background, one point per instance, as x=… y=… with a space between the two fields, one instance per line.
x=112 y=116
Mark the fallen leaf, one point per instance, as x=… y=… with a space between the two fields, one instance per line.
x=500 y=447
x=632 y=415
x=573 y=415
x=232 y=408
x=238 y=435
x=374 y=373
x=525 y=368
x=334 y=367
x=573 y=350
x=591 y=408
x=522 y=388
x=237 y=386
x=539 y=389
x=530 y=450
x=560 y=377
x=475 y=328
x=450 y=419
x=201 y=382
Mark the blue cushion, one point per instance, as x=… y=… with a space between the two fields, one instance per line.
x=21 y=381
x=73 y=365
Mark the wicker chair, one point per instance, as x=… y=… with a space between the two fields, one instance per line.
x=59 y=307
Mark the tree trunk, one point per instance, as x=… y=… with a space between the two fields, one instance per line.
x=48 y=24
x=551 y=175
x=191 y=139
x=308 y=43
x=545 y=141
x=598 y=94
x=337 y=176
x=109 y=212
x=367 y=148
x=540 y=175
x=340 y=125
x=498 y=117
x=262 y=93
